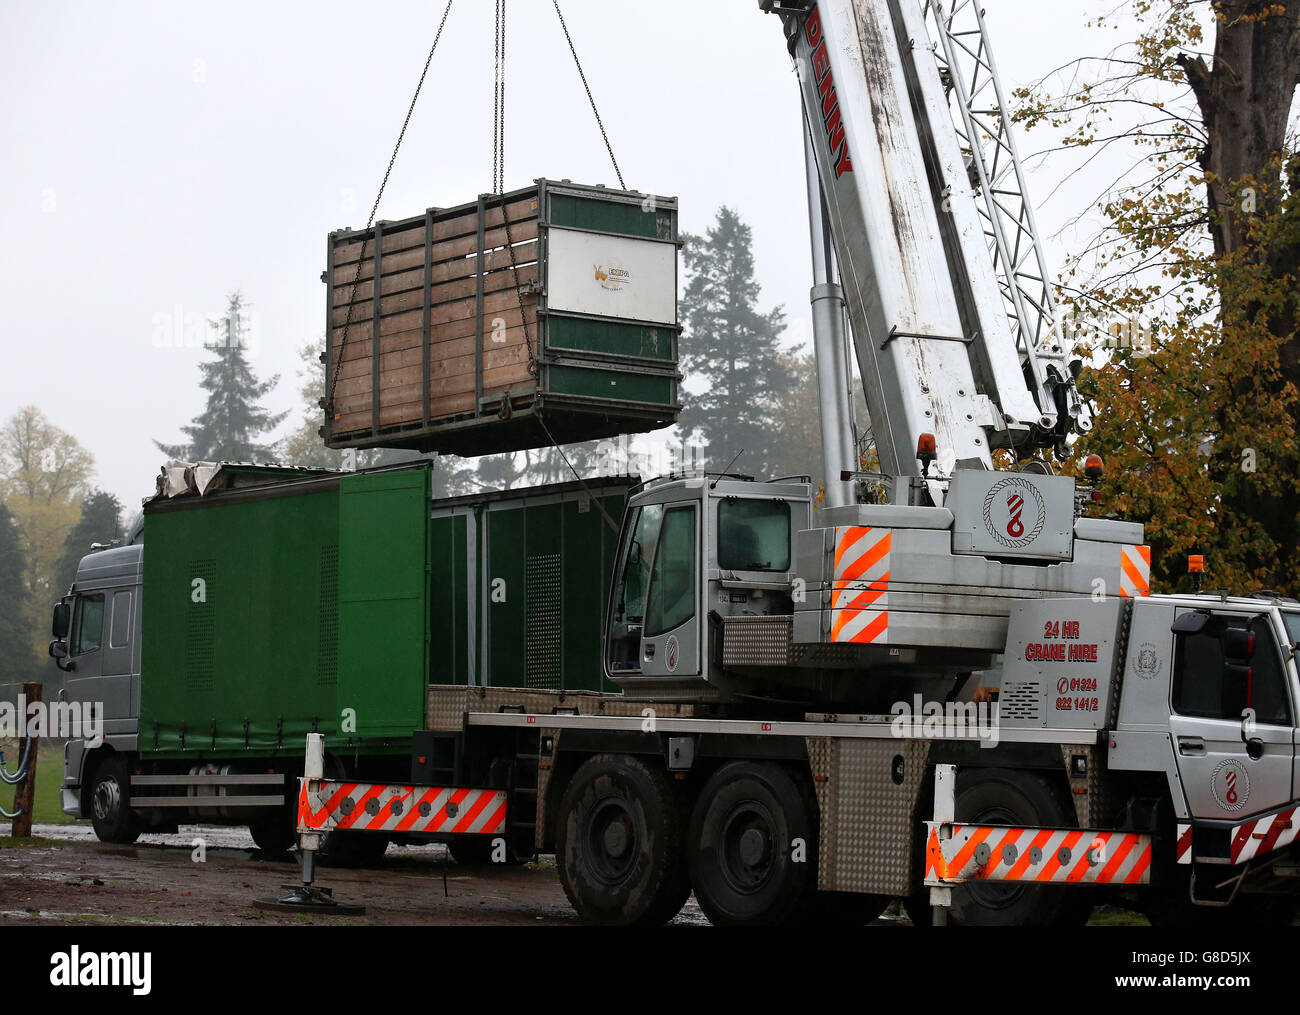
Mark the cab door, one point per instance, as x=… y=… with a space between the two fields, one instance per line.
x=1231 y=718
x=670 y=639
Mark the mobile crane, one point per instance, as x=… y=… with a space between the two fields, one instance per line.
x=962 y=695
x=1143 y=745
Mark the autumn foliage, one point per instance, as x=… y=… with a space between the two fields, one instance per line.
x=1198 y=420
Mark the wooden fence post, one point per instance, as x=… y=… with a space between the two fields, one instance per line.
x=25 y=794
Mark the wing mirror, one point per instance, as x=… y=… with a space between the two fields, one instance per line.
x=62 y=620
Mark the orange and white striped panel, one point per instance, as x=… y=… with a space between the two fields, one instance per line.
x=860 y=589
x=1134 y=571
x=1039 y=855
x=363 y=807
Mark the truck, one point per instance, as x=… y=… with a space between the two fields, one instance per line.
x=280 y=604
x=948 y=685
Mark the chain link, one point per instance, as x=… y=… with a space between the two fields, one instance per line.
x=599 y=123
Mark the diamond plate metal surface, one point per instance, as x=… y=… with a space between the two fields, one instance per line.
x=756 y=641
x=1093 y=794
x=868 y=820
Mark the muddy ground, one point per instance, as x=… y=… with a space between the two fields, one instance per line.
x=67 y=877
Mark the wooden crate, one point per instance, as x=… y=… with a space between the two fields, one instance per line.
x=550 y=308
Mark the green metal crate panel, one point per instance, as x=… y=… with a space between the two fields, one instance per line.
x=610 y=338
x=589 y=380
x=531 y=573
x=383 y=600
x=647 y=217
x=268 y=614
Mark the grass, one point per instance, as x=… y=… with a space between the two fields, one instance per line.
x=49 y=781
x=1113 y=916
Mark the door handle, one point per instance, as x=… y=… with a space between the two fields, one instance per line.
x=650 y=650
x=1191 y=746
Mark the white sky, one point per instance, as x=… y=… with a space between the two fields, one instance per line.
x=156 y=156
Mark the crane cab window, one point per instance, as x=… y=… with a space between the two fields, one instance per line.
x=87 y=625
x=634 y=577
x=753 y=535
x=1200 y=685
x=671 y=599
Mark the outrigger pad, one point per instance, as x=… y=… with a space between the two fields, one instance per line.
x=306 y=899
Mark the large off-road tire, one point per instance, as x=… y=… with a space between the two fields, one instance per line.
x=110 y=803
x=274 y=832
x=619 y=843
x=994 y=796
x=353 y=849
x=753 y=842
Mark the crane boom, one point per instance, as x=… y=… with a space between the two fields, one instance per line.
x=951 y=336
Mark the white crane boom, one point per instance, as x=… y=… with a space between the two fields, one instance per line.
x=939 y=261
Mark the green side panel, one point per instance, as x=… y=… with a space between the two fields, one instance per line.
x=612 y=217
x=620 y=384
x=614 y=338
x=505 y=596
x=589 y=547
x=544 y=565
x=383 y=601
x=449 y=602
x=238 y=649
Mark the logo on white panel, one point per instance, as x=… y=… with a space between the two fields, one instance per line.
x=1014 y=513
x=613 y=278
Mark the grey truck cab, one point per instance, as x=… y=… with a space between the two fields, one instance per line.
x=97 y=643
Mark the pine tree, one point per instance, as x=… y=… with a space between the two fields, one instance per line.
x=732 y=348
x=101 y=522
x=231 y=422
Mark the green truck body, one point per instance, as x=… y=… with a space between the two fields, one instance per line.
x=330 y=602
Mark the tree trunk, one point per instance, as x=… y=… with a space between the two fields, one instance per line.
x=1244 y=102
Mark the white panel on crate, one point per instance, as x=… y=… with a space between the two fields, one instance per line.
x=611 y=276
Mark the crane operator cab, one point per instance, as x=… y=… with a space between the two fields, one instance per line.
x=694 y=553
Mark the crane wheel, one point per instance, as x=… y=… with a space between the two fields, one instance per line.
x=753 y=842
x=618 y=843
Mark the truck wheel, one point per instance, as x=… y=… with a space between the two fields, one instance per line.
x=110 y=803
x=353 y=849
x=994 y=796
x=744 y=857
x=274 y=833
x=618 y=843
